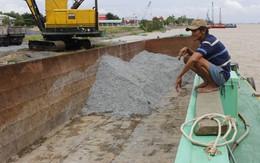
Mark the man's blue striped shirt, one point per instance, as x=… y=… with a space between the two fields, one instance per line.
x=216 y=53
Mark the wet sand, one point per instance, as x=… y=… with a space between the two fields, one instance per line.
x=100 y=138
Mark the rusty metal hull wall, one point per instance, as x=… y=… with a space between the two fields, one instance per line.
x=38 y=96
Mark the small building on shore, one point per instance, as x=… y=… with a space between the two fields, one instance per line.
x=3 y=16
x=130 y=21
x=102 y=19
x=110 y=22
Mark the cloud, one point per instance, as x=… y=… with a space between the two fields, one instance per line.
x=16 y=6
x=254 y=9
x=233 y=4
x=241 y=12
x=191 y=12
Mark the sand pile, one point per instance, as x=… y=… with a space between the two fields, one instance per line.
x=136 y=87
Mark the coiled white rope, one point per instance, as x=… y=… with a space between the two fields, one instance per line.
x=211 y=147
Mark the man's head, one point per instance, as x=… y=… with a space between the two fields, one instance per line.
x=196 y=24
x=198 y=29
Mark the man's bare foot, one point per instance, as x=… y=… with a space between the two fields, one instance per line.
x=208 y=89
x=202 y=85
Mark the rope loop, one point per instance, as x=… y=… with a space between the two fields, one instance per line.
x=211 y=147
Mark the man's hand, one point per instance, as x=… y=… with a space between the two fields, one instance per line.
x=182 y=52
x=178 y=83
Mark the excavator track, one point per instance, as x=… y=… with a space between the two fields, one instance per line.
x=55 y=46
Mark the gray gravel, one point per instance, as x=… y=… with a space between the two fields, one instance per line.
x=30 y=32
x=133 y=88
x=13 y=47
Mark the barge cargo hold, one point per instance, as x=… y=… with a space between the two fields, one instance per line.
x=38 y=96
x=41 y=101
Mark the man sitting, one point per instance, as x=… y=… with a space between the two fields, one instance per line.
x=211 y=61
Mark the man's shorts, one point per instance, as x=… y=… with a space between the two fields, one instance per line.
x=216 y=74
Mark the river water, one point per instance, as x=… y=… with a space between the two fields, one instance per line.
x=243 y=45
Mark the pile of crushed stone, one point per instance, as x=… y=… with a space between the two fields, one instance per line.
x=133 y=88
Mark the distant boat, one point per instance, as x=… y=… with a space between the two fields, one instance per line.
x=231 y=25
x=217 y=26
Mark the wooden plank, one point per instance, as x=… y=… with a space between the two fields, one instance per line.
x=208 y=103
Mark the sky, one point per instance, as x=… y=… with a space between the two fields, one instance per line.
x=232 y=11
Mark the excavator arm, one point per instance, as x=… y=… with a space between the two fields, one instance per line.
x=76 y=4
x=36 y=13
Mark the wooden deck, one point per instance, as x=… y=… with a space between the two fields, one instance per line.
x=208 y=103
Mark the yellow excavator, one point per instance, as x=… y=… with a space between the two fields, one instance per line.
x=64 y=28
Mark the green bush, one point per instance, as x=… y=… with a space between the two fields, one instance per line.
x=29 y=22
x=149 y=26
x=6 y=20
x=19 y=22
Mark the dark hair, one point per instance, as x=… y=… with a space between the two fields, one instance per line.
x=205 y=29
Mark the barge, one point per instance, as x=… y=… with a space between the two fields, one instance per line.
x=42 y=97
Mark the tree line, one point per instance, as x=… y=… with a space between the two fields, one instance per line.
x=20 y=19
x=155 y=24
x=160 y=23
